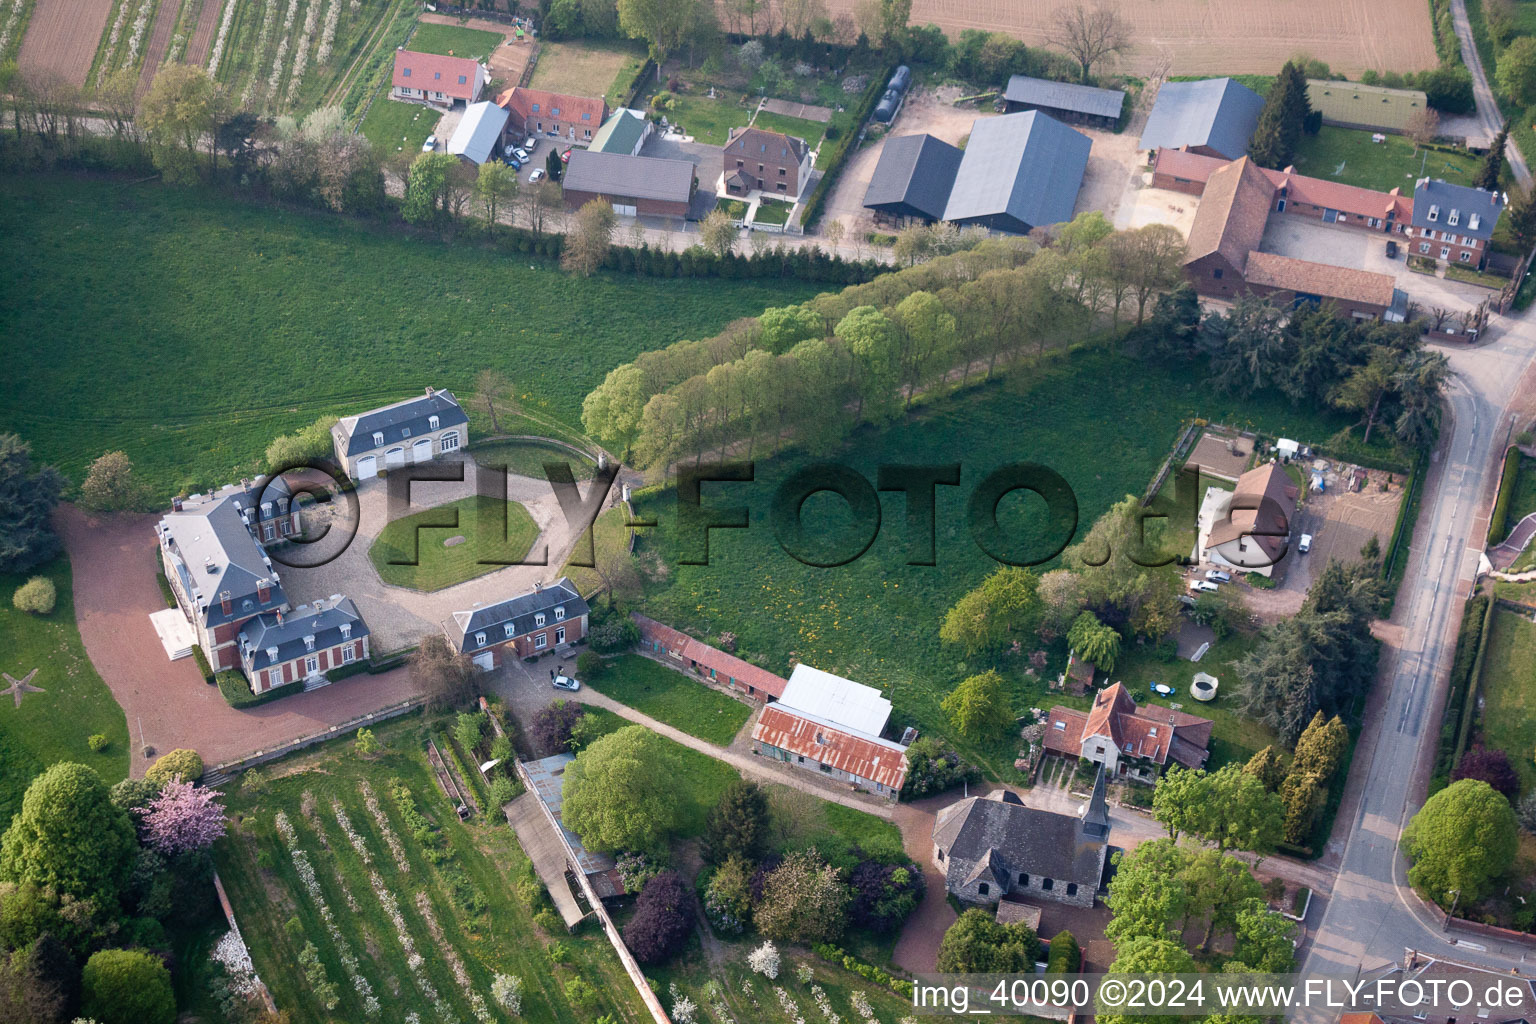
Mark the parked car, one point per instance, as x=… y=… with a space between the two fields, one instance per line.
x=530 y=143
x=1305 y=544
x=537 y=176
x=514 y=163
x=1391 y=249
x=563 y=682
x=1217 y=576
x=430 y=146
x=521 y=154
x=1202 y=587
x=565 y=157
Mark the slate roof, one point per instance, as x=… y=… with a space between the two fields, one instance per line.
x=841 y=702
x=916 y=171
x=619 y=134
x=1330 y=282
x=1431 y=195
x=1214 y=112
x=478 y=131
x=413 y=414
x=1026 y=166
x=1268 y=486
x=867 y=757
x=1081 y=99
x=990 y=835
x=1373 y=105
x=215 y=552
x=1232 y=213
x=1182 y=737
x=519 y=611
x=683 y=647
x=323 y=621
x=763 y=142
x=436 y=73
x=622 y=176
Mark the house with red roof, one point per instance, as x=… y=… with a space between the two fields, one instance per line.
x=556 y=115
x=435 y=79
x=679 y=649
x=1131 y=740
x=1248 y=529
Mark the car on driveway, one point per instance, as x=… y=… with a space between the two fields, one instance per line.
x=1306 y=543
x=521 y=154
x=1202 y=587
x=537 y=176
x=430 y=146
x=564 y=682
x=1217 y=576
x=530 y=143
x=1391 y=249
x=565 y=157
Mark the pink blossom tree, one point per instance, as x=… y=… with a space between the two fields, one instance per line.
x=183 y=818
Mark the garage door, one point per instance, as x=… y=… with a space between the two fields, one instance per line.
x=367 y=467
x=394 y=457
x=421 y=451
x=623 y=210
x=485 y=661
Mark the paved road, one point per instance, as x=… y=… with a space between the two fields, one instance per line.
x=1371 y=915
x=1487 y=107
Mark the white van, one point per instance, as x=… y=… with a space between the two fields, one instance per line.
x=1305 y=544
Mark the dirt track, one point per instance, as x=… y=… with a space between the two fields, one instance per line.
x=202 y=34
x=62 y=36
x=159 y=41
x=1218 y=36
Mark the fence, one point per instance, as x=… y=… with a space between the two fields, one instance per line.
x=631 y=966
x=234 y=926
x=220 y=772
x=1179 y=448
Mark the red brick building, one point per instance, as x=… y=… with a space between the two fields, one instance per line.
x=755 y=159
x=707 y=662
x=278 y=649
x=1127 y=738
x=634 y=185
x=536 y=112
x=435 y=79
x=1227 y=227
x=544 y=619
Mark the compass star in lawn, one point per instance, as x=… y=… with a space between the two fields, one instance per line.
x=20 y=686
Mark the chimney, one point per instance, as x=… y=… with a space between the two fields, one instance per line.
x=175 y=504
x=224 y=601
x=263 y=590
x=429 y=391
x=279 y=618
x=208 y=566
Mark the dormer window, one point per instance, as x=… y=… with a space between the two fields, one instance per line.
x=1454 y=218
x=432 y=422
x=405 y=431
x=271 y=653
x=346 y=630
x=1473 y=221
x=479 y=639
x=378 y=438
x=560 y=614
x=1434 y=213
x=309 y=643
x=508 y=628
x=538 y=620
x=1152 y=731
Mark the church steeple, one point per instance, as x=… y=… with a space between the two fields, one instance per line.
x=1096 y=810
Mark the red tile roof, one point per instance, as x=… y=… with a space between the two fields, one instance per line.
x=1269 y=495
x=727 y=666
x=1333 y=195
x=1348 y=283
x=435 y=73
x=553 y=106
x=875 y=760
x=1149 y=731
x=1232 y=214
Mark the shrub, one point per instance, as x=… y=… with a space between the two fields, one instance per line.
x=551 y=730
x=1490 y=766
x=501 y=749
x=237 y=692
x=1066 y=954
x=663 y=919
x=616 y=634
x=589 y=665
x=977 y=944
x=121 y=986
x=507 y=990
x=502 y=791
x=253 y=781
x=581 y=994
x=884 y=894
x=367 y=743
x=98 y=742
x=728 y=897
x=558 y=952
x=1498 y=523
x=550 y=921
x=933 y=767
x=184 y=763
x=468 y=728
x=803 y=900
x=38 y=595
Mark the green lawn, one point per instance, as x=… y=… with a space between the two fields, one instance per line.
x=1507 y=719
x=611 y=538
x=799 y=127
x=771 y=211
x=588 y=67
x=377 y=308
x=395 y=127
x=496 y=533
x=527 y=458
x=1343 y=154
x=672 y=697
x=709 y=121
x=734 y=208
x=876 y=620
x=53 y=725
x=454 y=40
x=278 y=914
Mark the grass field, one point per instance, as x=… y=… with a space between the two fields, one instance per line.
x=588 y=67
x=672 y=697
x=376 y=307
x=799 y=127
x=454 y=40
x=1342 y=154
x=771 y=211
x=876 y=620
x=527 y=458
x=55 y=724
x=611 y=537
x=494 y=530
x=278 y=913
x=1507 y=719
x=709 y=121
x=395 y=127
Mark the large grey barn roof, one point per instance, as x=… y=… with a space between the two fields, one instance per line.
x=914 y=170
x=1082 y=99
x=1027 y=166
x=1030 y=840
x=1214 y=112
x=629 y=177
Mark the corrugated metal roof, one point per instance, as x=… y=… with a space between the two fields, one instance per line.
x=1082 y=99
x=622 y=176
x=916 y=171
x=1373 y=105
x=478 y=130
x=1214 y=112
x=841 y=702
x=548 y=776
x=1026 y=166
x=877 y=760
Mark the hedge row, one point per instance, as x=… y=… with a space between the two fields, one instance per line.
x=1066 y=955
x=797 y=263
x=1447 y=46
x=1461 y=695
x=1498 y=523
x=1394 y=562
x=835 y=955
x=833 y=164
x=237 y=692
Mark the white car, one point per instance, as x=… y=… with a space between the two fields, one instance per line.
x=563 y=682
x=1305 y=544
x=530 y=143
x=430 y=146
x=1202 y=587
x=537 y=176
x=1217 y=576
x=521 y=154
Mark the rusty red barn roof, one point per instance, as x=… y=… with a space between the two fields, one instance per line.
x=868 y=758
x=685 y=648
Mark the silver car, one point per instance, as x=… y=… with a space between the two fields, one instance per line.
x=564 y=682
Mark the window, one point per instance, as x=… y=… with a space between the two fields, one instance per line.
x=463 y=80
x=983 y=888
x=1099 y=749
x=309 y=643
x=311 y=664
x=560 y=635
x=271 y=653
x=1466 y=257
x=538 y=620
x=1445 y=252
x=586 y=116
x=1047 y=884
x=782 y=172
x=536 y=108
x=554 y=111
x=820 y=739
x=740 y=165
x=1454 y=218
x=1023 y=880
x=449 y=441
x=941 y=854
x=406 y=73
x=268 y=532
x=348 y=655
x=801 y=759
x=1060 y=725
x=378 y=438
x=508 y=629
x=1473 y=221
x=346 y=630
x=1429 y=235
x=479 y=639
x=405 y=431
x=432 y=422
x=1216 y=273
x=436 y=75
x=587 y=133
x=1424 y=247
x=826 y=768
x=541 y=641
x=560 y=614
x=1152 y=731
x=781 y=187
x=1071 y=888
x=1434 y=213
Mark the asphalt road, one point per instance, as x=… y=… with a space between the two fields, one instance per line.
x=1487 y=108
x=1371 y=916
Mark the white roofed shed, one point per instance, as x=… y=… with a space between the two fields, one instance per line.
x=835 y=700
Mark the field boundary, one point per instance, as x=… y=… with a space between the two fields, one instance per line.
x=234 y=926
x=219 y=774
